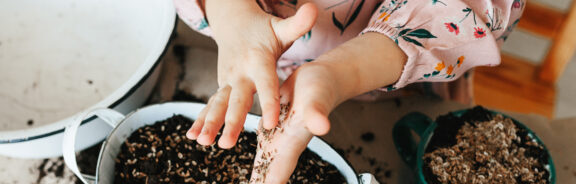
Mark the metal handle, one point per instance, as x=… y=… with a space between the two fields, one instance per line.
x=367 y=178
x=69 y=141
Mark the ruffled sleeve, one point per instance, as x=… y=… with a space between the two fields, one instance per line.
x=444 y=39
x=192 y=13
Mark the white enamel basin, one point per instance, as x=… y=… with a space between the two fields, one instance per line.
x=59 y=58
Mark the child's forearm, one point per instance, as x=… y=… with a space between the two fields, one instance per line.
x=362 y=64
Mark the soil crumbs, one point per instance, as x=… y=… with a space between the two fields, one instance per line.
x=486 y=151
x=161 y=153
x=53 y=170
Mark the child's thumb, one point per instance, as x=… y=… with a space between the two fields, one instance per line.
x=289 y=29
x=317 y=122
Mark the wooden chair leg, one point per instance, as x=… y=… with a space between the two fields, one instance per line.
x=562 y=50
x=541 y=19
x=511 y=87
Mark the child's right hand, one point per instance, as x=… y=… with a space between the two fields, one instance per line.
x=250 y=41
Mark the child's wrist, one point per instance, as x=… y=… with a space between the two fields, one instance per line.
x=342 y=81
x=361 y=65
x=327 y=81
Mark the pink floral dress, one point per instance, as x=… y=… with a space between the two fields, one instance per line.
x=443 y=39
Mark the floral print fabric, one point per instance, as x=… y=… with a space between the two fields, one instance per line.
x=443 y=39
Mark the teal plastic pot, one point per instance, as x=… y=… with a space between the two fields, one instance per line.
x=412 y=151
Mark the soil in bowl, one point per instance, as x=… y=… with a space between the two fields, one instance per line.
x=161 y=153
x=480 y=147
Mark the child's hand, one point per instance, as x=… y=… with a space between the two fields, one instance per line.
x=250 y=41
x=308 y=93
x=315 y=88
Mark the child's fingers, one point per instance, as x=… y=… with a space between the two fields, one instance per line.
x=198 y=124
x=215 y=117
x=292 y=28
x=269 y=100
x=238 y=107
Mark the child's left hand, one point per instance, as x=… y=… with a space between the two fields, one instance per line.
x=314 y=90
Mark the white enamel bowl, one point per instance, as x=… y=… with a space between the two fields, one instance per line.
x=60 y=58
x=125 y=125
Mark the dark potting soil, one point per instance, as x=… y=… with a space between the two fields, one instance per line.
x=448 y=126
x=480 y=147
x=88 y=159
x=161 y=153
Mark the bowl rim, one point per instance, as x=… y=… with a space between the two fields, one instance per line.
x=137 y=79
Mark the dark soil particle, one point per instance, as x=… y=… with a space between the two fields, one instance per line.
x=161 y=153
x=359 y=151
x=341 y=152
x=367 y=137
x=388 y=174
x=42 y=170
x=180 y=50
x=377 y=170
x=398 y=102
x=372 y=161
